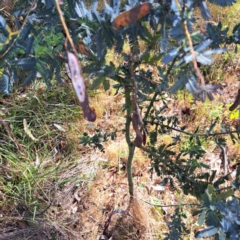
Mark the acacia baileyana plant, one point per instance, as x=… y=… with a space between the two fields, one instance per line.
x=173 y=45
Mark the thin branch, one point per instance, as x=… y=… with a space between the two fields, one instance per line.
x=224 y=188
x=65 y=28
x=200 y=76
x=192 y=134
x=171 y=205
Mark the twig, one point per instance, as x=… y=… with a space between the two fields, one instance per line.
x=224 y=159
x=65 y=28
x=224 y=188
x=200 y=76
x=44 y=210
x=191 y=134
x=171 y=205
x=195 y=66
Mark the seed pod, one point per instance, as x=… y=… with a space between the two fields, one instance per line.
x=132 y=15
x=236 y=102
x=139 y=137
x=79 y=87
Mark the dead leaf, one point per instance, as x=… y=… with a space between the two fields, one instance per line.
x=82 y=49
x=28 y=131
x=139 y=137
x=60 y=128
x=22 y=224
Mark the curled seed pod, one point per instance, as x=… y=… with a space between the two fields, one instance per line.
x=79 y=87
x=144 y=137
x=236 y=102
x=139 y=137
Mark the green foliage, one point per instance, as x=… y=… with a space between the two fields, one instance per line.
x=177 y=227
x=221 y=216
x=97 y=139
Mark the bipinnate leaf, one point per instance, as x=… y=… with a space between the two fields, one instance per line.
x=212 y=219
x=130 y=16
x=28 y=63
x=201 y=92
x=204 y=57
x=170 y=56
x=226 y=194
x=178 y=84
x=3 y=26
x=49 y=4
x=223 y=3
x=201 y=218
x=5 y=86
x=30 y=77
x=236 y=33
x=79 y=87
x=205 y=11
x=97 y=82
x=208 y=232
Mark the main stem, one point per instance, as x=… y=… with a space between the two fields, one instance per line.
x=131 y=146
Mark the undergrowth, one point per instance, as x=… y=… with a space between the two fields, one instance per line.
x=39 y=162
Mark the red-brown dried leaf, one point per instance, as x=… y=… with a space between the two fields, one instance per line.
x=134 y=14
x=144 y=137
x=82 y=49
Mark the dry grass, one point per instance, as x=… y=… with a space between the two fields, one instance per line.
x=81 y=186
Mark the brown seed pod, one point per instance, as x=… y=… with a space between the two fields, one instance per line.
x=236 y=102
x=79 y=87
x=139 y=137
x=132 y=15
